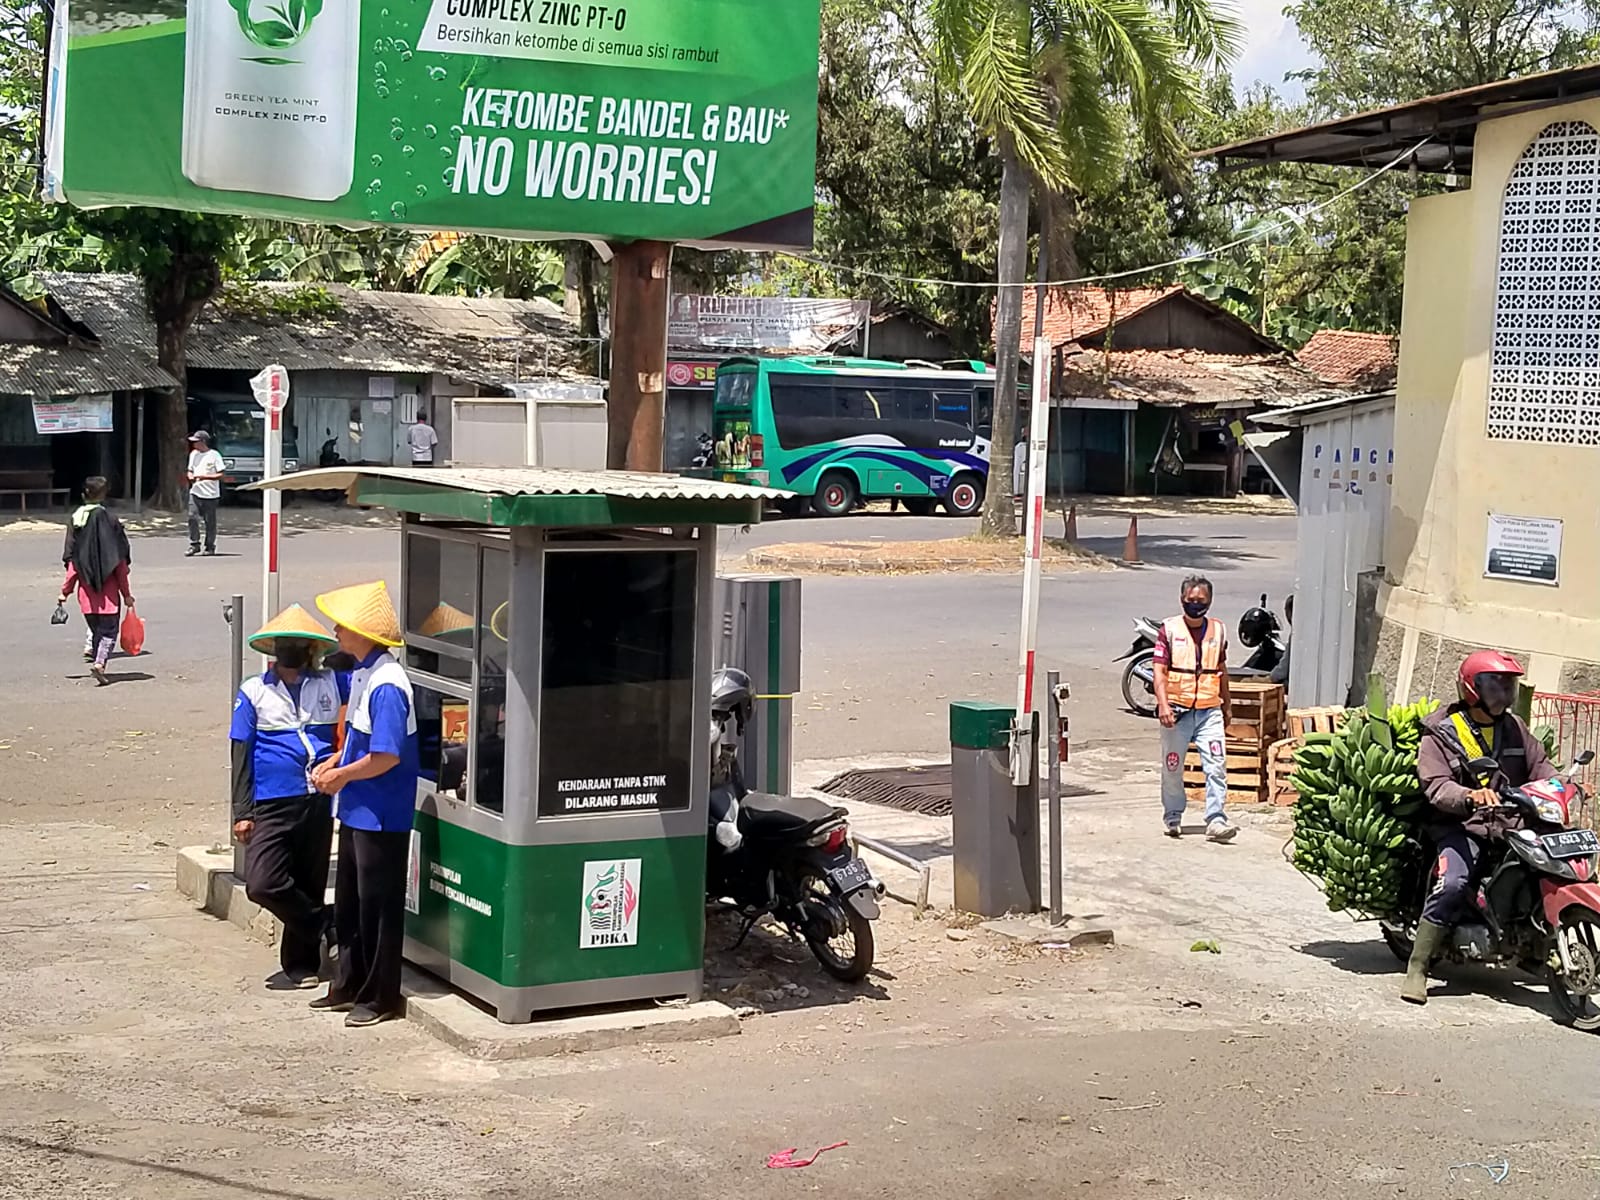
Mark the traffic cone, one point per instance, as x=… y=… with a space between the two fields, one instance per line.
x=1130 y=545
x=1071 y=535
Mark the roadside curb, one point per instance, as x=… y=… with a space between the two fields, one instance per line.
x=205 y=875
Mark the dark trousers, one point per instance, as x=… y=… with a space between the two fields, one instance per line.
x=286 y=872
x=202 y=510
x=103 y=630
x=1451 y=897
x=369 y=903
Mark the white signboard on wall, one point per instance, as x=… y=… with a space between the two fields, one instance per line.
x=81 y=414
x=1527 y=549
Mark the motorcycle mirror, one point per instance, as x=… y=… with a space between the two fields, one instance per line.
x=1263 y=599
x=1584 y=759
x=1483 y=766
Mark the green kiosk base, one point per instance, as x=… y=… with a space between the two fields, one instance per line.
x=558 y=636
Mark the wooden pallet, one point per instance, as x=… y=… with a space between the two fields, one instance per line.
x=1280 y=765
x=1314 y=720
x=1259 y=716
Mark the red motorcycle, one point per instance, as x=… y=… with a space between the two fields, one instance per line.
x=1538 y=902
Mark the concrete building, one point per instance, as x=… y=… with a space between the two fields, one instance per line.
x=1492 y=537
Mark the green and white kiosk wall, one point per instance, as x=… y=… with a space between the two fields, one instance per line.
x=558 y=635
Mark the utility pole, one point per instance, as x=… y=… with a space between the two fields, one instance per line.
x=641 y=275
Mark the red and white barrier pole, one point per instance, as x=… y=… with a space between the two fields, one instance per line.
x=1033 y=530
x=271 y=388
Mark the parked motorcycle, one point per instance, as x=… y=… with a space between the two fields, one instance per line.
x=1259 y=629
x=1539 y=908
x=705 y=452
x=787 y=857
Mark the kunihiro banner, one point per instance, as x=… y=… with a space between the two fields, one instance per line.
x=692 y=121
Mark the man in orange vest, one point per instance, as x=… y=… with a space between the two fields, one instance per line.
x=1191 y=670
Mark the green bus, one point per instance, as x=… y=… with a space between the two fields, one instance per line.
x=835 y=432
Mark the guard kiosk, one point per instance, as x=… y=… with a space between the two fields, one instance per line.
x=558 y=635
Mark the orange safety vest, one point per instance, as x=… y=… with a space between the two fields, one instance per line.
x=1194 y=681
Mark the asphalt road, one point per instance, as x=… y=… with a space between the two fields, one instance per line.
x=882 y=657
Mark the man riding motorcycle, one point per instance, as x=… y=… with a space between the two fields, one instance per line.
x=1481 y=725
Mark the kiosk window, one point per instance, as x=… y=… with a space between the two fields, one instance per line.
x=442 y=727
x=616 y=704
x=441 y=592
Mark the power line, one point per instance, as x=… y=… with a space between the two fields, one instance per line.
x=1196 y=256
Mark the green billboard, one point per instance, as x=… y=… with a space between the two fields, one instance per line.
x=681 y=120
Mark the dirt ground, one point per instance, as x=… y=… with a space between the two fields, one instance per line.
x=141 y=1058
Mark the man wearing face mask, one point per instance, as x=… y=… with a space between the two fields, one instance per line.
x=284 y=723
x=1192 y=700
x=1480 y=725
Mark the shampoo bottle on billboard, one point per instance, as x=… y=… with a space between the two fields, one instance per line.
x=269 y=96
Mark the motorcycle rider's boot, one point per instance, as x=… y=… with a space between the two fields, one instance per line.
x=1429 y=938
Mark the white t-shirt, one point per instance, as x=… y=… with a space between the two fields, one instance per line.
x=206 y=462
x=423 y=439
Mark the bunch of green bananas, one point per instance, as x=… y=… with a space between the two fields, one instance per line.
x=1360 y=799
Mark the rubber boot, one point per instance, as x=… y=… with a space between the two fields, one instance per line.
x=1429 y=938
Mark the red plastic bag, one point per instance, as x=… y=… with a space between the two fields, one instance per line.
x=132 y=633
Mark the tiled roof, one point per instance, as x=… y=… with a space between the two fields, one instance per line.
x=1348 y=358
x=486 y=340
x=1072 y=314
x=1173 y=378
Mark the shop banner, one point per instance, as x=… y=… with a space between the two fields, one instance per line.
x=81 y=414
x=763 y=322
x=682 y=374
x=682 y=120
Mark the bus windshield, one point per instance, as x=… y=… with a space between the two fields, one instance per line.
x=844 y=431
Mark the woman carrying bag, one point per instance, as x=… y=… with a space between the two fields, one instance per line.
x=97 y=558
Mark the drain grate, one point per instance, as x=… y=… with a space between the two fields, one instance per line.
x=924 y=790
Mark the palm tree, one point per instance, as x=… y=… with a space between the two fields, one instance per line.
x=1053 y=84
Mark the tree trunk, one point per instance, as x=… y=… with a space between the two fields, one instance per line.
x=999 y=512
x=175 y=299
x=581 y=259
x=640 y=275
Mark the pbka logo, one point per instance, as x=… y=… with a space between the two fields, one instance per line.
x=610 y=914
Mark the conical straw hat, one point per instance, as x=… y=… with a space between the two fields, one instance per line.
x=292 y=622
x=444 y=620
x=363 y=609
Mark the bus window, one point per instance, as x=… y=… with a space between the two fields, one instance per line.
x=802 y=409
x=863 y=403
x=983 y=426
x=955 y=407
x=913 y=404
x=735 y=388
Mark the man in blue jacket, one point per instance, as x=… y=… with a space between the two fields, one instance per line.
x=284 y=724
x=375 y=782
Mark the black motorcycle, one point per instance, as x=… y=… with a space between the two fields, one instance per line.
x=1259 y=629
x=787 y=857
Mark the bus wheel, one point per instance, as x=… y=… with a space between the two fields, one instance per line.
x=836 y=495
x=965 y=496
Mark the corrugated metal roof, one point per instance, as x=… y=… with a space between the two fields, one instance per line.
x=56 y=369
x=483 y=339
x=528 y=481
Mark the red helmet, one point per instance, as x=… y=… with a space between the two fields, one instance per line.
x=1485 y=662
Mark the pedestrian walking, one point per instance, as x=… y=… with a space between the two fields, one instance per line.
x=375 y=784
x=1192 y=700
x=97 y=558
x=204 y=478
x=422 y=440
x=284 y=724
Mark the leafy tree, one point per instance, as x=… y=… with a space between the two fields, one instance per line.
x=1049 y=82
x=179 y=258
x=1380 y=52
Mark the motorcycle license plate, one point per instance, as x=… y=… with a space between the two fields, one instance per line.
x=1571 y=843
x=851 y=877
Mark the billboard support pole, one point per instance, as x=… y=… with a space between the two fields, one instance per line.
x=641 y=274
